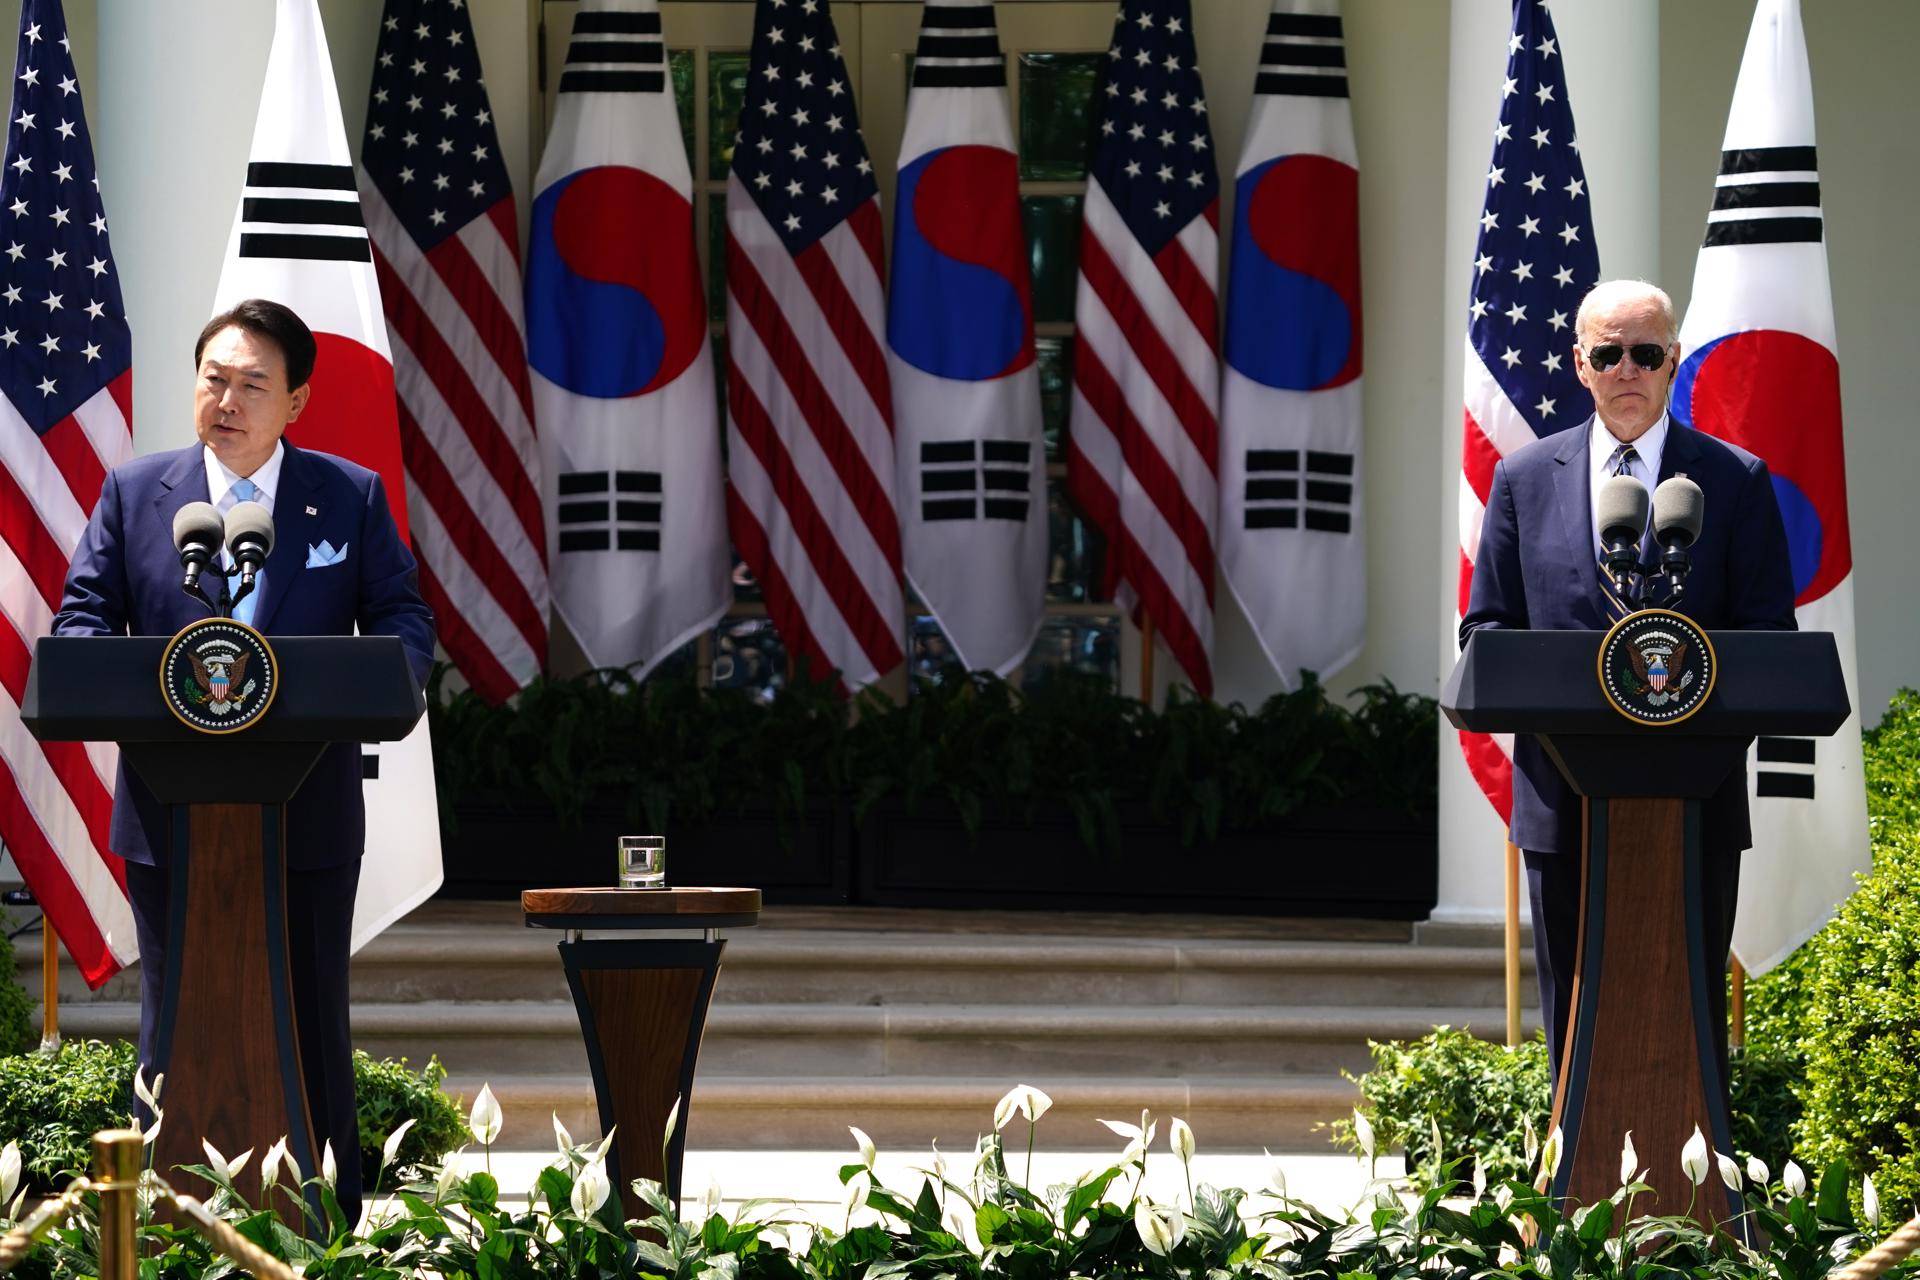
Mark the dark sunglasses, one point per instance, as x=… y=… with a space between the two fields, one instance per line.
x=1648 y=355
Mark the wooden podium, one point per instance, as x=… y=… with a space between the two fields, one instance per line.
x=1640 y=1051
x=226 y=1037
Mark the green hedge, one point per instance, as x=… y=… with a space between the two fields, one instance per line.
x=973 y=742
x=52 y=1104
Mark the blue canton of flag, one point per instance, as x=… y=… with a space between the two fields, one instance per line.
x=430 y=145
x=799 y=152
x=1536 y=257
x=1154 y=152
x=63 y=329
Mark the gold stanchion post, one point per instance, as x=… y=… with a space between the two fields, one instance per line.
x=1513 y=944
x=116 y=1175
x=49 y=985
x=1737 y=1008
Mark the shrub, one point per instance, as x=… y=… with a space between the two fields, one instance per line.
x=16 y=1006
x=53 y=1104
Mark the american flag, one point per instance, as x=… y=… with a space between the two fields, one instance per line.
x=66 y=366
x=439 y=210
x=809 y=403
x=1143 y=457
x=1534 y=261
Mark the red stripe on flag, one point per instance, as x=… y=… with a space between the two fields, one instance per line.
x=750 y=539
x=68 y=760
x=454 y=263
x=1492 y=770
x=469 y=408
x=471 y=654
x=877 y=634
x=764 y=312
x=864 y=222
x=1148 y=465
x=849 y=326
x=121 y=389
x=1149 y=347
x=1478 y=457
x=1465 y=585
x=1190 y=289
x=59 y=898
x=1098 y=505
x=469 y=536
x=72 y=452
x=45 y=562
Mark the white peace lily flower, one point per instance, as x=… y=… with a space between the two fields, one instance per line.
x=1138 y=1136
x=600 y=1152
x=1479 y=1179
x=1530 y=1140
x=1363 y=1133
x=1870 y=1201
x=710 y=1199
x=239 y=1162
x=590 y=1189
x=329 y=1169
x=1794 y=1179
x=1503 y=1197
x=1276 y=1176
x=1023 y=1098
x=673 y=1121
x=1550 y=1153
x=1629 y=1160
x=856 y=1195
x=149 y=1094
x=1729 y=1171
x=9 y=1170
x=449 y=1174
x=485 y=1118
x=392 y=1147
x=1693 y=1158
x=147 y=1138
x=1757 y=1172
x=864 y=1144
x=1161 y=1229
x=270 y=1164
x=939 y=1163
x=1180 y=1138
x=561 y=1137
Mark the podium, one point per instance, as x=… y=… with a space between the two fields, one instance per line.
x=226 y=1038
x=1640 y=1049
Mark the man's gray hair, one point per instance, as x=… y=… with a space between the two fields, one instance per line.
x=1611 y=293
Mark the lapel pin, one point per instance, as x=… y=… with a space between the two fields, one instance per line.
x=313 y=511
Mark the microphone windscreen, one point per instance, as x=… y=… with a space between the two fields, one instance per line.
x=1679 y=509
x=1622 y=509
x=198 y=523
x=249 y=521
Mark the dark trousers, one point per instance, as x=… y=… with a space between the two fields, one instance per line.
x=1553 y=883
x=319 y=945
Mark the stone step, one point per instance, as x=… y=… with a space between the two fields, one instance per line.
x=815 y=967
x=974 y=1040
x=1280 y=1114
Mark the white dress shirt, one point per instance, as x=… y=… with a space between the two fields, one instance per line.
x=220 y=480
x=1603 y=452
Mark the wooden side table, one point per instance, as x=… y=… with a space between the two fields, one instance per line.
x=642 y=1000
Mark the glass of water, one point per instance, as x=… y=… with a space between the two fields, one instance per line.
x=643 y=862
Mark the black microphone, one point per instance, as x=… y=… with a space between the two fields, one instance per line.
x=1679 y=510
x=1622 y=511
x=249 y=542
x=197 y=533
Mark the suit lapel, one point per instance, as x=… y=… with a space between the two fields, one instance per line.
x=1575 y=503
x=292 y=530
x=1677 y=457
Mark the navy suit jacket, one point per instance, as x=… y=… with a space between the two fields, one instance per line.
x=125 y=580
x=1537 y=569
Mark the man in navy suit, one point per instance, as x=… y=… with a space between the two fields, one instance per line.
x=1538 y=567
x=254 y=364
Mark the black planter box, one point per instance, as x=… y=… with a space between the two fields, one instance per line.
x=1338 y=863
x=495 y=851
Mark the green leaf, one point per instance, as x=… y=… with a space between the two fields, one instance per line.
x=1835 y=1182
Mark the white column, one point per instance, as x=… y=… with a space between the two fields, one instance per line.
x=1616 y=105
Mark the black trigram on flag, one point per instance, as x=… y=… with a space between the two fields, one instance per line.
x=302 y=211
x=971 y=480
x=1283 y=495
x=959 y=49
x=1304 y=56
x=609 y=511
x=1785 y=767
x=1766 y=195
x=613 y=52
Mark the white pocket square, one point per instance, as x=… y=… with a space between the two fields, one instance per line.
x=323 y=555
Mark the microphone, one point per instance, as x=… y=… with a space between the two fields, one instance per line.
x=1679 y=509
x=1622 y=510
x=197 y=533
x=249 y=542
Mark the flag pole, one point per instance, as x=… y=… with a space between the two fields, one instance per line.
x=1737 y=1008
x=49 y=985
x=1146 y=658
x=1513 y=943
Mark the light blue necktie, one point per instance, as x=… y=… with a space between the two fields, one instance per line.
x=247 y=491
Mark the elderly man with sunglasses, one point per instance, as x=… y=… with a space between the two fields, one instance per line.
x=1538 y=567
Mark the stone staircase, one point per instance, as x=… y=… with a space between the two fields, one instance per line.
x=911 y=1024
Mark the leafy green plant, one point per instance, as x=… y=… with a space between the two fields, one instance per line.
x=16 y=1005
x=53 y=1104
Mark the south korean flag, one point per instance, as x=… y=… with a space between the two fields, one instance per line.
x=1758 y=368
x=1292 y=526
x=971 y=461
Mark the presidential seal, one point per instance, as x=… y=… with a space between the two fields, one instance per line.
x=1657 y=667
x=218 y=675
